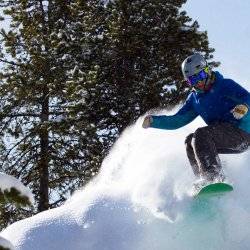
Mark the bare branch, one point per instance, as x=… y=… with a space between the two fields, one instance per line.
x=21 y=114
x=11 y=62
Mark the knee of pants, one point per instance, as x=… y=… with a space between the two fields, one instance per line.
x=202 y=132
x=188 y=140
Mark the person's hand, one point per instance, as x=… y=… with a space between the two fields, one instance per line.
x=147 y=121
x=239 y=111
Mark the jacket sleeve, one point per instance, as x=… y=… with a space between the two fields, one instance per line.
x=237 y=93
x=184 y=116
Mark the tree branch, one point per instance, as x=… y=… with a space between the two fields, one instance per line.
x=11 y=62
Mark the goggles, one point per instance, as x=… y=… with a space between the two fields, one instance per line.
x=200 y=76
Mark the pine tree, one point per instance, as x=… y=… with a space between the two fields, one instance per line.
x=50 y=139
x=143 y=44
x=76 y=73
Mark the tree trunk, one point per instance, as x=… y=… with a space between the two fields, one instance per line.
x=44 y=157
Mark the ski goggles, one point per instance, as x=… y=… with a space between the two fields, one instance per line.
x=194 y=79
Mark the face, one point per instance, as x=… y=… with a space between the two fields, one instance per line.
x=201 y=85
x=199 y=80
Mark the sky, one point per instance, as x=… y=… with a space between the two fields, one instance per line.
x=228 y=27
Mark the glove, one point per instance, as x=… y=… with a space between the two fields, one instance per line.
x=239 y=111
x=147 y=121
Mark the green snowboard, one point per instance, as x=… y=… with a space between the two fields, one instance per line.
x=215 y=189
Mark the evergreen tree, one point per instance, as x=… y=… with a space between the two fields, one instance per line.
x=76 y=73
x=48 y=144
x=139 y=47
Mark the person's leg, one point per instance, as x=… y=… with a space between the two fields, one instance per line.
x=191 y=155
x=220 y=138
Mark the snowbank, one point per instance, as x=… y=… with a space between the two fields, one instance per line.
x=6 y=244
x=8 y=182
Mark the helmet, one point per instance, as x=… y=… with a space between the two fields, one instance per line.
x=193 y=65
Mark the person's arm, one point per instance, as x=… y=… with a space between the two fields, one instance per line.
x=184 y=116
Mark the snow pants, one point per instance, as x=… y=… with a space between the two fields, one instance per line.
x=204 y=145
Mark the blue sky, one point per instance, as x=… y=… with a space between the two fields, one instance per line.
x=228 y=26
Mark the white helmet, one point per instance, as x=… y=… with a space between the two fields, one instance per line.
x=193 y=65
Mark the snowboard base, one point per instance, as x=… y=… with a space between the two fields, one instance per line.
x=215 y=189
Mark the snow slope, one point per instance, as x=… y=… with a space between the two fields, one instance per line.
x=142 y=200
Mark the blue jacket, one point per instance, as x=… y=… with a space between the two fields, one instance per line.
x=213 y=106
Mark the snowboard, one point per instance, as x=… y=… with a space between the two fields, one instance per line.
x=218 y=188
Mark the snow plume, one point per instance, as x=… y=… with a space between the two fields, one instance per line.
x=141 y=201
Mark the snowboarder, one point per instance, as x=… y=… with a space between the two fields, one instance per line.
x=223 y=105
